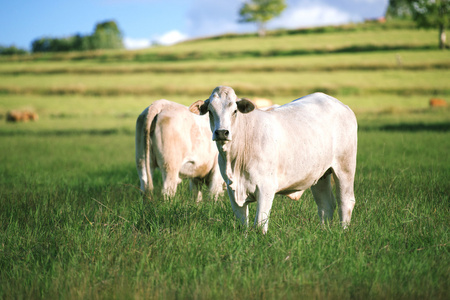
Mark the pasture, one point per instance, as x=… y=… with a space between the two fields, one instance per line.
x=73 y=223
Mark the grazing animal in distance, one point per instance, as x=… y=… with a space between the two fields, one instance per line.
x=284 y=150
x=437 y=102
x=21 y=116
x=179 y=143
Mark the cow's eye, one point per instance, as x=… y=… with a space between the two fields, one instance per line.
x=235 y=113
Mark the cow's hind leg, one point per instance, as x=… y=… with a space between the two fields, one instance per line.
x=323 y=195
x=170 y=181
x=344 y=179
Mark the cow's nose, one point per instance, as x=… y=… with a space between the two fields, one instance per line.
x=222 y=134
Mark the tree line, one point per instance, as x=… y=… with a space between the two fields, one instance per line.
x=106 y=36
x=11 y=50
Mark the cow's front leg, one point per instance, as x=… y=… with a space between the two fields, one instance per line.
x=264 y=205
x=241 y=212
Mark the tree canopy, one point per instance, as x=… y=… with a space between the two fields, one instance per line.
x=11 y=50
x=106 y=36
x=426 y=14
x=260 y=12
x=399 y=9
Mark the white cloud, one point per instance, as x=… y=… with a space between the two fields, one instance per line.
x=170 y=38
x=311 y=15
x=208 y=18
x=131 y=43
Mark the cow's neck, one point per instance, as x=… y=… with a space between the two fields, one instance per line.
x=234 y=152
x=224 y=153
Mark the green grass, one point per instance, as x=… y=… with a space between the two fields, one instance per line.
x=264 y=84
x=73 y=223
x=416 y=60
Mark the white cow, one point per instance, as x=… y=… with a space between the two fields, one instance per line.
x=179 y=143
x=283 y=151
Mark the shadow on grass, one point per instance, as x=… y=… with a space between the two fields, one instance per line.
x=414 y=127
x=68 y=132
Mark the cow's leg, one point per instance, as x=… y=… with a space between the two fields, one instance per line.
x=344 y=179
x=216 y=184
x=170 y=182
x=264 y=205
x=241 y=212
x=195 y=187
x=323 y=195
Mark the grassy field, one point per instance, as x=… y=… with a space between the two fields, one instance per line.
x=73 y=224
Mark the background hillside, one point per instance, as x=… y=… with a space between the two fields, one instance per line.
x=368 y=65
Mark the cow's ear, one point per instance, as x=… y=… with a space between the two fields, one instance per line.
x=245 y=105
x=199 y=107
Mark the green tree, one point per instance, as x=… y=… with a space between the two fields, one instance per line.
x=260 y=12
x=399 y=9
x=432 y=14
x=11 y=50
x=107 y=36
x=426 y=14
x=41 y=45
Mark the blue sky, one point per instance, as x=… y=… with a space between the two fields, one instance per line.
x=164 y=21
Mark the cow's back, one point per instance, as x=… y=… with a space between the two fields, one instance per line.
x=310 y=134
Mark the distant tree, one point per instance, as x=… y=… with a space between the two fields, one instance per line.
x=426 y=14
x=432 y=14
x=11 y=50
x=41 y=45
x=260 y=12
x=399 y=9
x=107 y=36
x=52 y=45
x=79 y=43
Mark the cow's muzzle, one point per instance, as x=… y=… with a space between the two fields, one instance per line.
x=221 y=135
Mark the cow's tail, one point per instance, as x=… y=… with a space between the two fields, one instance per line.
x=143 y=146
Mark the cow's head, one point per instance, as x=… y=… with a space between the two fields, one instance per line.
x=223 y=106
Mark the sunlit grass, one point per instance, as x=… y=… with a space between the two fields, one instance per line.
x=419 y=59
x=261 y=84
x=330 y=41
x=73 y=224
